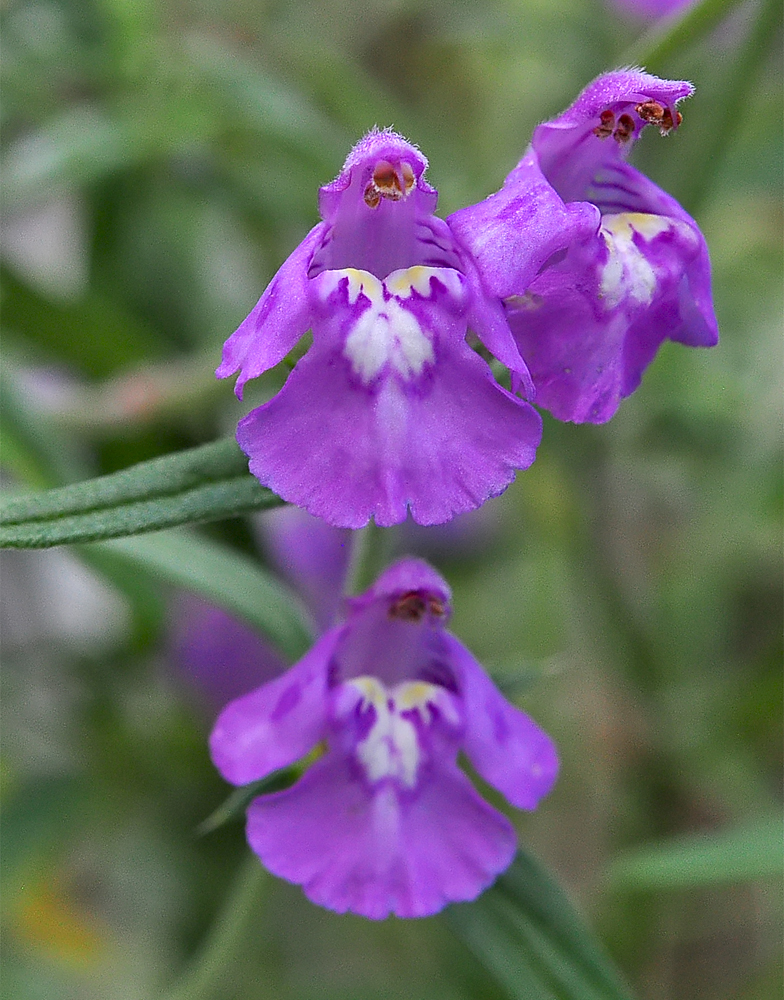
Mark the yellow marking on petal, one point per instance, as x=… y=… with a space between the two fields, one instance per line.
x=413 y=694
x=645 y=224
x=403 y=282
x=359 y=283
x=371 y=689
x=406 y=280
x=362 y=283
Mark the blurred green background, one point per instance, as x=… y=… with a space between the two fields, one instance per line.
x=160 y=161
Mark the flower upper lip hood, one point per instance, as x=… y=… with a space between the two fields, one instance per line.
x=361 y=169
x=376 y=209
x=390 y=409
x=565 y=147
x=385 y=821
x=636 y=272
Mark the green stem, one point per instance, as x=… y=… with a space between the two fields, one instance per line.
x=213 y=964
x=370 y=551
x=668 y=37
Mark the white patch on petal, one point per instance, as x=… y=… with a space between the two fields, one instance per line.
x=388 y=332
x=628 y=273
x=388 y=335
x=367 y=345
x=391 y=748
x=410 y=348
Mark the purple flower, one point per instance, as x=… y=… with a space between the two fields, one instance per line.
x=590 y=322
x=215 y=655
x=390 y=408
x=219 y=657
x=385 y=821
x=311 y=555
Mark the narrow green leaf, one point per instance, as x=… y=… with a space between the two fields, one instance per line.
x=199 y=484
x=535 y=892
x=753 y=851
x=167 y=475
x=234 y=806
x=527 y=933
x=214 y=501
x=216 y=962
x=225 y=577
x=500 y=950
x=240 y=798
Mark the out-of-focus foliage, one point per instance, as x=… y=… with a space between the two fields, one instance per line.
x=159 y=162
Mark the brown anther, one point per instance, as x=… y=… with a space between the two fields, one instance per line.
x=372 y=196
x=606 y=125
x=386 y=183
x=436 y=606
x=409 y=607
x=625 y=129
x=668 y=123
x=385 y=178
x=651 y=112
